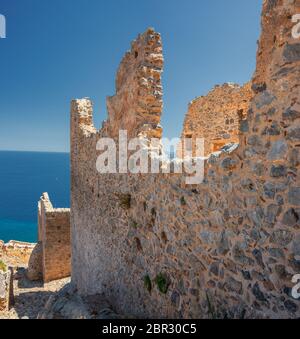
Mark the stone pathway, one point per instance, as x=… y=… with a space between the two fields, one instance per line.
x=30 y=297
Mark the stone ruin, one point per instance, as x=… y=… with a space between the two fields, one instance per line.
x=51 y=257
x=229 y=247
x=217 y=117
x=6 y=288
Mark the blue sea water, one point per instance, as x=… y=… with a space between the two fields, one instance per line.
x=24 y=176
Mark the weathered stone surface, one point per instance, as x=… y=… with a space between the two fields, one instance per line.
x=223 y=245
x=257 y=88
x=295 y=157
x=244 y=126
x=244 y=225
x=273 y=129
x=290 y=218
x=229 y=163
x=291 y=306
x=278 y=150
x=294 y=196
x=51 y=258
x=294 y=133
x=296 y=246
x=276 y=252
x=67 y=304
x=271 y=214
x=259 y=295
x=226 y=106
x=258 y=257
x=270 y=190
x=291 y=114
x=35 y=264
x=234 y=286
x=281 y=237
x=6 y=289
x=278 y=171
x=291 y=52
x=239 y=255
x=263 y=99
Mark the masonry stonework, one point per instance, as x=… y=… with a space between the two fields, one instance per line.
x=217 y=117
x=6 y=288
x=230 y=246
x=51 y=257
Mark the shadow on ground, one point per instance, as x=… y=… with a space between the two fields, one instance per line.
x=24 y=282
x=29 y=304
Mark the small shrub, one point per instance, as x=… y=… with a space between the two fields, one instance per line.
x=134 y=224
x=3 y=267
x=162 y=283
x=125 y=201
x=182 y=201
x=147 y=283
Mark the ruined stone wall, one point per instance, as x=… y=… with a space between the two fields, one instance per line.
x=6 y=288
x=137 y=104
x=52 y=254
x=228 y=247
x=216 y=117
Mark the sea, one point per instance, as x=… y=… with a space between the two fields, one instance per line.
x=24 y=176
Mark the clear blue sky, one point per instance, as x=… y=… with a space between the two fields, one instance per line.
x=57 y=50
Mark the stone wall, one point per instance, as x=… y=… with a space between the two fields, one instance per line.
x=6 y=288
x=137 y=104
x=228 y=247
x=16 y=253
x=216 y=117
x=51 y=257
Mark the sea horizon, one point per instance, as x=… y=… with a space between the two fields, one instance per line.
x=24 y=176
x=29 y=151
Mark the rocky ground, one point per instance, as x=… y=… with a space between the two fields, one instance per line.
x=67 y=304
x=30 y=297
x=54 y=300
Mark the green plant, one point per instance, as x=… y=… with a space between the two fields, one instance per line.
x=182 y=201
x=147 y=283
x=125 y=201
x=162 y=283
x=134 y=224
x=3 y=267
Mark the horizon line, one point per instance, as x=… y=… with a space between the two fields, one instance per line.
x=31 y=151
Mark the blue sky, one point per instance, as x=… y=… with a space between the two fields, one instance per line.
x=57 y=50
